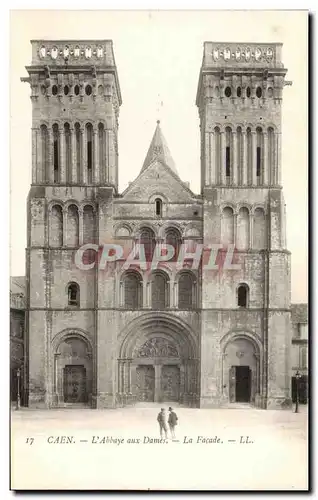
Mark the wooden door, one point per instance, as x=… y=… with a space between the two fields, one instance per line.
x=170 y=383
x=232 y=384
x=75 y=384
x=243 y=384
x=145 y=383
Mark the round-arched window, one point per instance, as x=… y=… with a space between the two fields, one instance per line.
x=228 y=91
x=239 y=92
x=88 y=90
x=248 y=92
x=54 y=53
x=54 y=90
x=158 y=204
x=66 y=90
x=76 y=90
x=242 y=295
x=259 y=92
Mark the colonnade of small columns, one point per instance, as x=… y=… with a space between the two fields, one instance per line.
x=68 y=235
x=171 y=291
x=243 y=143
x=232 y=235
x=60 y=154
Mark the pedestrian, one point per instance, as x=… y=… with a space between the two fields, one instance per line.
x=172 y=421
x=162 y=419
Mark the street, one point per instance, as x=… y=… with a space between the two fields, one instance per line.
x=121 y=449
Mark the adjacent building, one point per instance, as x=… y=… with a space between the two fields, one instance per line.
x=17 y=333
x=299 y=353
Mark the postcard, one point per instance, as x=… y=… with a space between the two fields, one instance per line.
x=158 y=293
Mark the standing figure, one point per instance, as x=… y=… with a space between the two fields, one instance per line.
x=172 y=421
x=162 y=419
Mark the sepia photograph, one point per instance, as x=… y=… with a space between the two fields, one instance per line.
x=159 y=250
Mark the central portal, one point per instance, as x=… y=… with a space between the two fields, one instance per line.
x=157 y=363
x=158 y=383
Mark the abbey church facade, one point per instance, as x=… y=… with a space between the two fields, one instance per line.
x=201 y=335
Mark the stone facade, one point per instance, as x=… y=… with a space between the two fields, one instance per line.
x=204 y=337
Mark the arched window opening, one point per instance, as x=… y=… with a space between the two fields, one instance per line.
x=73 y=295
x=72 y=226
x=56 y=152
x=66 y=90
x=242 y=296
x=259 y=92
x=259 y=229
x=78 y=150
x=249 y=155
x=54 y=90
x=271 y=155
x=89 y=138
x=227 y=225
x=186 y=291
x=248 y=92
x=76 y=90
x=217 y=153
x=148 y=240
x=158 y=204
x=239 y=152
x=228 y=92
x=159 y=291
x=259 y=149
x=239 y=92
x=68 y=152
x=88 y=225
x=258 y=161
x=243 y=229
x=173 y=238
x=101 y=150
x=228 y=139
x=56 y=227
x=45 y=152
x=132 y=283
x=88 y=90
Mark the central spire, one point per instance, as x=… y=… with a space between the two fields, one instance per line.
x=158 y=150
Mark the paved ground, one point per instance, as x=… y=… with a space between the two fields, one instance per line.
x=102 y=451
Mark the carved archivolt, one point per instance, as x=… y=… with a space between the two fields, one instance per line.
x=157 y=348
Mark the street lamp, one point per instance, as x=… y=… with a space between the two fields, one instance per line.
x=18 y=395
x=298 y=377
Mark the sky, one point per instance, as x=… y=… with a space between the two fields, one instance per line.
x=158 y=56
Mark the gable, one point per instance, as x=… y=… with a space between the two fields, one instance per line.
x=158 y=179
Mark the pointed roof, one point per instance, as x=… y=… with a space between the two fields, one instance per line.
x=158 y=150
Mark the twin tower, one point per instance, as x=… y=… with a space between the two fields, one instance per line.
x=229 y=340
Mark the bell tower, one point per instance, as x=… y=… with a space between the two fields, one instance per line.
x=239 y=98
x=75 y=105
x=75 y=97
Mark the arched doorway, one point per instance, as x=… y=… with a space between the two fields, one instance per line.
x=73 y=372
x=241 y=370
x=157 y=362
